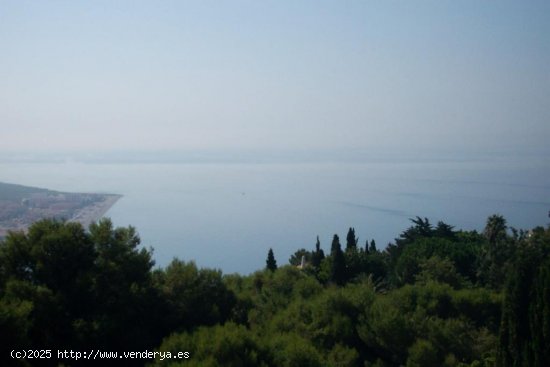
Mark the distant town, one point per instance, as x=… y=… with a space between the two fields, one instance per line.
x=20 y=206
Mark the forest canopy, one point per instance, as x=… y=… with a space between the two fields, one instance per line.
x=436 y=296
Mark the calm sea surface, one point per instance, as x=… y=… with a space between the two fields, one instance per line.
x=227 y=216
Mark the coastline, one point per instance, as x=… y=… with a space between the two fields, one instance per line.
x=95 y=212
x=85 y=216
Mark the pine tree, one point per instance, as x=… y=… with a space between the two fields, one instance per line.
x=444 y=230
x=271 y=264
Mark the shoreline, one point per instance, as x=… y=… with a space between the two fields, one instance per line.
x=95 y=212
x=85 y=216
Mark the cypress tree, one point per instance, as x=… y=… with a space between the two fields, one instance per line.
x=539 y=317
x=335 y=245
x=271 y=264
x=318 y=255
x=351 y=240
x=338 y=262
x=525 y=322
x=372 y=246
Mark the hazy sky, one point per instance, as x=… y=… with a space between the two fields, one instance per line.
x=286 y=75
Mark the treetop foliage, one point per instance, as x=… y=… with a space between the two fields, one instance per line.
x=271 y=264
x=436 y=297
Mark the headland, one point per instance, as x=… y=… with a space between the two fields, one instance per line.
x=20 y=206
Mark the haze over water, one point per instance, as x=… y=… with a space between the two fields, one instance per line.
x=232 y=127
x=228 y=215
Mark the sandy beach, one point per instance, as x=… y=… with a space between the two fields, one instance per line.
x=85 y=216
x=95 y=212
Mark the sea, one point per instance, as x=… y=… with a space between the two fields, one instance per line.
x=228 y=215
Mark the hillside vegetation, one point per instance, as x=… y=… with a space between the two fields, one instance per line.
x=435 y=297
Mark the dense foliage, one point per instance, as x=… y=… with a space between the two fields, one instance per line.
x=435 y=297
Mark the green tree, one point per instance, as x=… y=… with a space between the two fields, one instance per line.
x=296 y=258
x=440 y=270
x=374 y=263
x=495 y=229
x=444 y=230
x=127 y=306
x=354 y=263
x=318 y=255
x=193 y=296
x=338 y=262
x=463 y=255
x=351 y=240
x=372 y=247
x=79 y=289
x=49 y=271
x=291 y=350
x=422 y=229
x=271 y=264
x=525 y=326
x=497 y=253
x=217 y=346
x=343 y=356
x=423 y=354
